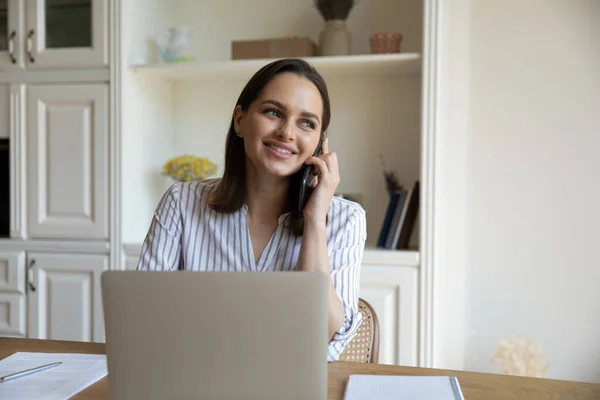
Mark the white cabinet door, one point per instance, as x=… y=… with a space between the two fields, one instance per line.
x=11 y=34
x=15 y=123
x=64 y=299
x=67 y=161
x=4 y=110
x=393 y=292
x=12 y=294
x=66 y=34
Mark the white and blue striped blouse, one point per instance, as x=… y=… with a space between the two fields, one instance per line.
x=186 y=234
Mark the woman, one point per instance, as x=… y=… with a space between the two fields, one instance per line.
x=248 y=220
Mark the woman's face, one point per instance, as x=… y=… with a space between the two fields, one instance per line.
x=282 y=126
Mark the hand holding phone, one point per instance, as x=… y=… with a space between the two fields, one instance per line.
x=316 y=200
x=306 y=177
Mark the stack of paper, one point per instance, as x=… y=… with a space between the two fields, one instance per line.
x=383 y=387
x=76 y=372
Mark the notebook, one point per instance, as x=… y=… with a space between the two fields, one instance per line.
x=383 y=387
x=77 y=372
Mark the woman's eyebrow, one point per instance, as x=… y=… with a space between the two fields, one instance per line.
x=305 y=114
x=275 y=103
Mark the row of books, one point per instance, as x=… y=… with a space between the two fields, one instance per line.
x=400 y=218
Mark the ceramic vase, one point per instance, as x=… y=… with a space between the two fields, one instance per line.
x=174 y=44
x=335 y=39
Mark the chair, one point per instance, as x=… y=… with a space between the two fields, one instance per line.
x=364 y=347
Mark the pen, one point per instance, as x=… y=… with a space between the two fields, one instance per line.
x=27 y=372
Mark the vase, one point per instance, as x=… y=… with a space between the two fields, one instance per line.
x=334 y=40
x=174 y=44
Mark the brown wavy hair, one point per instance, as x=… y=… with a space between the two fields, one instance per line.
x=230 y=193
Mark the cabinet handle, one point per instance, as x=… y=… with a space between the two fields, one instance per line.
x=30 y=46
x=11 y=47
x=30 y=275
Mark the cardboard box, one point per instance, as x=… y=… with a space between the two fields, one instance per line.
x=272 y=48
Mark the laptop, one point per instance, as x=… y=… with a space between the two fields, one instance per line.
x=215 y=335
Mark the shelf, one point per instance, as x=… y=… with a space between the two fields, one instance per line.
x=383 y=257
x=377 y=64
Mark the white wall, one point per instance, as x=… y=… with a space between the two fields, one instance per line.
x=533 y=191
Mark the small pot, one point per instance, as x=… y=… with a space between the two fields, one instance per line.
x=385 y=43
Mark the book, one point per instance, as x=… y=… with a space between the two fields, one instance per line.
x=387 y=387
x=394 y=234
x=390 y=240
x=409 y=218
x=388 y=218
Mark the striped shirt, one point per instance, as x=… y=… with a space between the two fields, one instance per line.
x=185 y=234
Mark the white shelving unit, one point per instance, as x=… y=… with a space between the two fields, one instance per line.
x=175 y=108
x=374 y=65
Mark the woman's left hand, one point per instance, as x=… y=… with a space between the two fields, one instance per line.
x=325 y=184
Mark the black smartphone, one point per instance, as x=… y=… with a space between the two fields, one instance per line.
x=306 y=177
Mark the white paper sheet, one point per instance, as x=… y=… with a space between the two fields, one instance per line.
x=76 y=372
x=385 y=387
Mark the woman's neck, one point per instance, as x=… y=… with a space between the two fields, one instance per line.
x=266 y=197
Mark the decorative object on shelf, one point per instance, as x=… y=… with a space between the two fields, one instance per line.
x=174 y=44
x=188 y=168
x=391 y=180
x=522 y=357
x=335 y=39
x=385 y=43
x=287 y=46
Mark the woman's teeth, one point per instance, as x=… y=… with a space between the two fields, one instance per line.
x=279 y=150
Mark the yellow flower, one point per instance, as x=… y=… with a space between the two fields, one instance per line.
x=521 y=356
x=188 y=168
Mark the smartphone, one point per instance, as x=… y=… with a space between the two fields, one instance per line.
x=306 y=177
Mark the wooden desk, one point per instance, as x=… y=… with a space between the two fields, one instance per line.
x=474 y=385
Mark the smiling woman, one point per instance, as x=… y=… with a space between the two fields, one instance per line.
x=282 y=124
x=247 y=220
x=286 y=102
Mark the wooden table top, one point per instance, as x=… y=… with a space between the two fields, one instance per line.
x=474 y=385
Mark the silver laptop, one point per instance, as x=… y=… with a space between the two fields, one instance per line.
x=215 y=335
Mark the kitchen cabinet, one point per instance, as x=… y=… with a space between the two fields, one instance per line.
x=51 y=295
x=38 y=34
x=67 y=162
x=12 y=294
x=64 y=296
